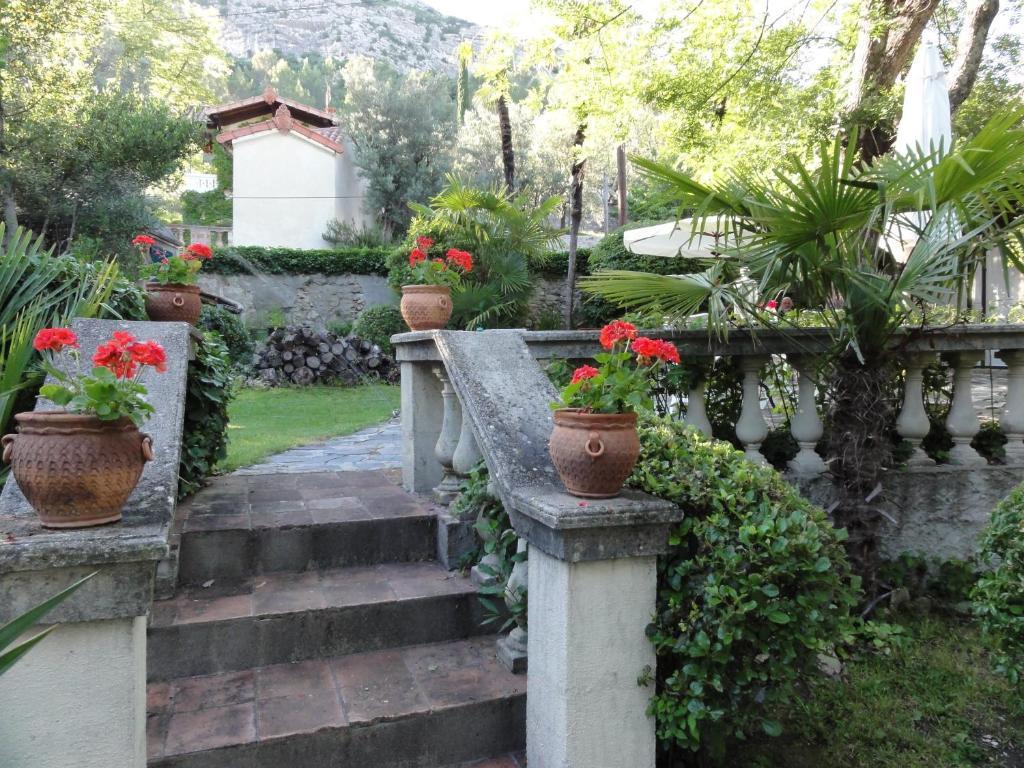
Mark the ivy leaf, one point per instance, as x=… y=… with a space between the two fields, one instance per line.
x=778 y=617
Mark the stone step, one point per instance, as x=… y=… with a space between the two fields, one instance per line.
x=414 y=707
x=283 y=617
x=505 y=761
x=243 y=525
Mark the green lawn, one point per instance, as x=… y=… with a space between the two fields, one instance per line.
x=935 y=704
x=267 y=421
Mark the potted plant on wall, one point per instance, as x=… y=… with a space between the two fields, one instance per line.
x=77 y=466
x=594 y=445
x=172 y=293
x=427 y=303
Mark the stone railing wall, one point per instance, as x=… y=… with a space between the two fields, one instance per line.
x=934 y=510
x=208 y=234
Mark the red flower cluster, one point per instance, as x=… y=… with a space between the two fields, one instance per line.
x=55 y=339
x=649 y=350
x=143 y=240
x=424 y=243
x=617 y=331
x=583 y=373
x=461 y=259
x=772 y=304
x=416 y=257
x=197 y=251
x=123 y=355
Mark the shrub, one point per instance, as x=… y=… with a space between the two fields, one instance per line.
x=249 y=259
x=998 y=596
x=378 y=324
x=754 y=586
x=557 y=265
x=232 y=332
x=204 y=437
x=611 y=253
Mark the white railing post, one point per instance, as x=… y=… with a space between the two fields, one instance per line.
x=448 y=440
x=751 y=428
x=421 y=423
x=696 y=410
x=962 y=421
x=912 y=423
x=467 y=453
x=1012 y=419
x=806 y=426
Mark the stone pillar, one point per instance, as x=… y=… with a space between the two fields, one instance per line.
x=456 y=535
x=1012 y=420
x=696 y=413
x=467 y=453
x=751 y=429
x=448 y=440
x=962 y=421
x=421 y=424
x=587 y=648
x=512 y=649
x=912 y=423
x=806 y=426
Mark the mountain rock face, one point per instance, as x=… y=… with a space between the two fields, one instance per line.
x=406 y=34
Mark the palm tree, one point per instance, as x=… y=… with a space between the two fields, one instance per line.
x=507 y=236
x=831 y=237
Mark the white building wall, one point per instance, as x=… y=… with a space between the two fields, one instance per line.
x=284 y=190
x=351 y=191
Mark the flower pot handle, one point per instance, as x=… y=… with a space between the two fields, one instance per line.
x=178 y=300
x=444 y=302
x=594 y=452
x=8 y=443
x=147 y=448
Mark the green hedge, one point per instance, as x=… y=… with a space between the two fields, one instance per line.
x=204 y=437
x=249 y=259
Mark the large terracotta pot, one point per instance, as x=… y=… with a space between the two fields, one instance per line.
x=426 y=307
x=173 y=302
x=594 y=453
x=76 y=470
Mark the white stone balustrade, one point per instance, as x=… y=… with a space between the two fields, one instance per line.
x=447 y=440
x=912 y=422
x=962 y=421
x=806 y=425
x=696 y=412
x=752 y=429
x=1012 y=417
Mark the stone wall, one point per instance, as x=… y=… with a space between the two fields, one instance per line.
x=935 y=511
x=315 y=300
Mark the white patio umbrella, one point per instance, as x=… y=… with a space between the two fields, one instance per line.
x=925 y=126
x=677 y=239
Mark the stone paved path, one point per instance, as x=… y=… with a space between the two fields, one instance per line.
x=373 y=448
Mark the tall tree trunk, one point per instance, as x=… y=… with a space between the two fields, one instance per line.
x=969 y=48
x=575 y=217
x=883 y=50
x=620 y=159
x=508 y=156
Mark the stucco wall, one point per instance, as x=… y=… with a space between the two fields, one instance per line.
x=314 y=300
x=78 y=699
x=286 y=188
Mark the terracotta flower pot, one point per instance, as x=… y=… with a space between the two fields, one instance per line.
x=594 y=453
x=173 y=302
x=426 y=307
x=76 y=470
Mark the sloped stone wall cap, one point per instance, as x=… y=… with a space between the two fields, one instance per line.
x=556 y=509
x=25 y=546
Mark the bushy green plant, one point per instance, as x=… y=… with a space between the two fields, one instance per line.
x=204 y=436
x=252 y=259
x=232 y=332
x=611 y=253
x=343 y=234
x=755 y=585
x=378 y=324
x=998 y=596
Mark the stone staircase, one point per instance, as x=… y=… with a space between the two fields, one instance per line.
x=311 y=627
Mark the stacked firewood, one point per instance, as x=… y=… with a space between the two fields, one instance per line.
x=303 y=356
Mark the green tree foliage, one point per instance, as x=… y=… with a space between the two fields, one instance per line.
x=312 y=79
x=378 y=324
x=401 y=126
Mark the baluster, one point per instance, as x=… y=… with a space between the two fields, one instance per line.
x=751 y=429
x=696 y=412
x=512 y=648
x=448 y=440
x=467 y=453
x=912 y=423
x=806 y=426
x=962 y=421
x=1012 y=420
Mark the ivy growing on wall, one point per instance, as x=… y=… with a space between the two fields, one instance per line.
x=204 y=437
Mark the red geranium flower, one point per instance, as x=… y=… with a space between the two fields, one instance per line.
x=772 y=304
x=424 y=242
x=116 y=356
x=416 y=257
x=583 y=373
x=149 y=353
x=461 y=259
x=649 y=350
x=55 y=339
x=198 y=251
x=143 y=240
x=617 y=331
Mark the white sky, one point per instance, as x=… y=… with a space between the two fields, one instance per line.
x=492 y=13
